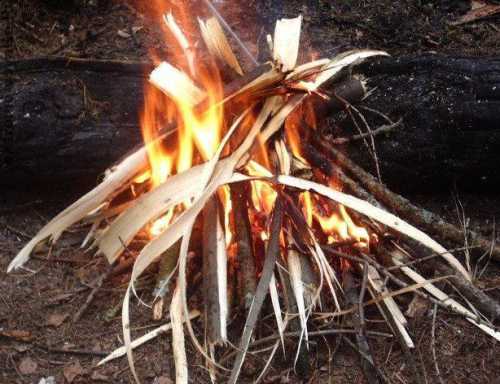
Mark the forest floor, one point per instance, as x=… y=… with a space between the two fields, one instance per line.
x=38 y=338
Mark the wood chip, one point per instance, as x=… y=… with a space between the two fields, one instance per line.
x=71 y=372
x=418 y=307
x=56 y=319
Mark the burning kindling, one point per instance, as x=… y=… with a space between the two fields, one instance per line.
x=236 y=184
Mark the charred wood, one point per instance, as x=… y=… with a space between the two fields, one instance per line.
x=70 y=119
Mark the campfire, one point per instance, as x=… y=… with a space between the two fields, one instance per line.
x=236 y=183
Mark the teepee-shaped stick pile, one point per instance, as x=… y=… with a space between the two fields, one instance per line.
x=269 y=218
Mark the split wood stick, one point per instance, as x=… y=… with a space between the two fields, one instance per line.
x=247 y=274
x=426 y=220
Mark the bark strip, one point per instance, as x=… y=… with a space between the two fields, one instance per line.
x=243 y=235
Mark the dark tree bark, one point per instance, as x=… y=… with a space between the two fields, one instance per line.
x=67 y=121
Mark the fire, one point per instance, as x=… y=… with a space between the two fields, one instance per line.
x=307 y=206
x=263 y=195
x=198 y=134
x=161 y=161
x=339 y=226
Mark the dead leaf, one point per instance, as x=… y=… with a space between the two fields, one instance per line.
x=56 y=319
x=70 y=372
x=17 y=335
x=96 y=376
x=28 y=366
x=417 y=308
x=163 y=380
x=479 y=11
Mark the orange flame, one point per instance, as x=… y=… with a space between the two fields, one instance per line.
x=340 y=226
x=307 y=206
x=199 y=135
x=195 y=130
x=263 y=195
x=161 y=161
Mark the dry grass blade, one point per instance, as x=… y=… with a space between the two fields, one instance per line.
x=375 y=213
x=216 y=42
x=119 y=352
x=115 y=179
x=264 y=81
x=303 y=70
x=344 y=60
x=272 y=251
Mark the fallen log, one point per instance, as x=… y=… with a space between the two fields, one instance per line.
x=69 y=119
x=450 y=130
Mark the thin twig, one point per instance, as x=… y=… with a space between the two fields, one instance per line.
x=86 y=352
x=372 y=140
x=100 y=280
x=433 y=344
x=382 y=129
x=322 y=333
x=356 y=299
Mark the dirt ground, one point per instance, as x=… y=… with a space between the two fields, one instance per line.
x=38 y=338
